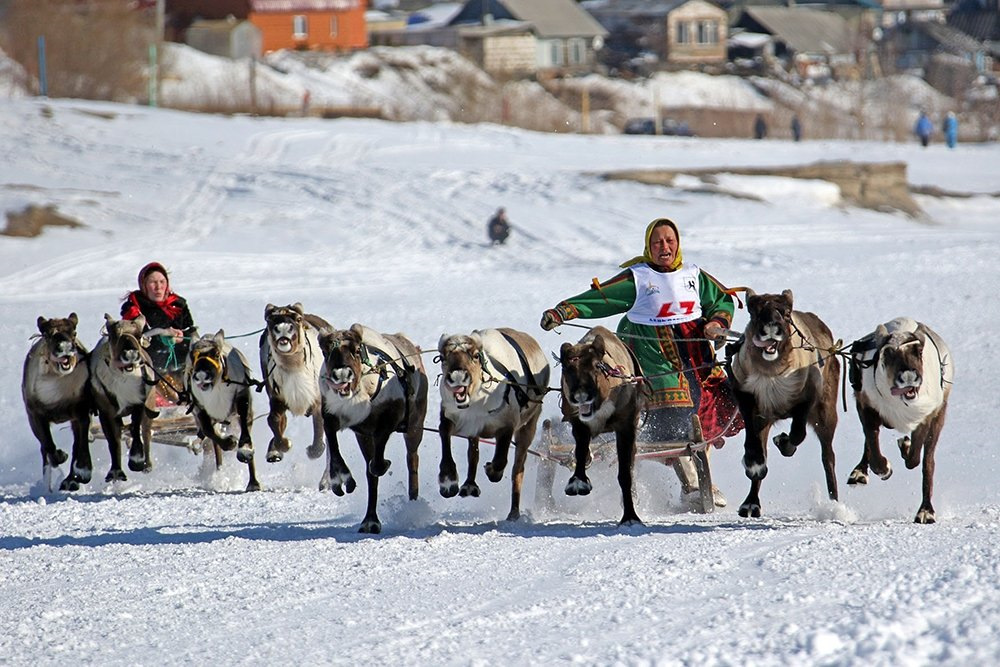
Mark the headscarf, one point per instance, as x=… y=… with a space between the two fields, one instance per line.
x=149 y=268
x=647 y=256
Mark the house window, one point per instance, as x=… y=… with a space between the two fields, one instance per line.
x=334 y=28
x=577 y=51
x=300 y=26
x=683 y=33
x=708 y=32
x=556 y=52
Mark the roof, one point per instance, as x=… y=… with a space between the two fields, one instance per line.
x=804 y=30
x=556 y=18
x=287 y=6
x=551 y=18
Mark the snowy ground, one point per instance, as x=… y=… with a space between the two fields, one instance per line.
x=385 y=224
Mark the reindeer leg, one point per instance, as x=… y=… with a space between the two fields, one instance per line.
x=317 y=446
x=625 y=443
x=112 y=427
x=870 y=423
x=137 y=455
x=447 y=471
x=470 y=487
x=494 y=469
x=927 y=434
x=244 y=450
x=82 y=464
x=754 y=458
x=751 y=504
x=337 y=475
x=579 y=484
x=522 y=441
x=369 y=449
x=52 y=456
x=277 y=420
x=825 y=426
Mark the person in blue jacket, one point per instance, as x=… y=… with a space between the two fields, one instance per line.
x=951 y=129
x=923 y=129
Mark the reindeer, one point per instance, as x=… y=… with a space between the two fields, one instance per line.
x=375 y=385
x=598 y=396
x=54 y=389
x=782 y=369
x=217 y=378
x=290 y=360
x=902 y=376
x=122 y=381
x=493 y=383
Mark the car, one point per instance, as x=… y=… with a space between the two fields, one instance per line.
x=668 y=127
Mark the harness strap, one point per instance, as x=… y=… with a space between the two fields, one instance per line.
x=522 y=396
x=401 y=373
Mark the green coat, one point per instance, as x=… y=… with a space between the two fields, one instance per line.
x=661 y=350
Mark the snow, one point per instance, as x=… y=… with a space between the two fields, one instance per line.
x=384 y=224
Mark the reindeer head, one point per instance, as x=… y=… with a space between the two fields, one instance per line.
x=901 y=361
x=285 y=327
x=343 y=355
x=769 y=331
x=462 y=370
x=63 y=351
x=585 y=384
x=126 y=342
x=206 y=361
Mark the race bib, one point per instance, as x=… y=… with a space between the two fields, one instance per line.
x=663 y=299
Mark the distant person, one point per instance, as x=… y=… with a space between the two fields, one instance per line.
x=498 y=228
x=796 y=129
x=923 y=129
x=759 y=127
x=951 y=129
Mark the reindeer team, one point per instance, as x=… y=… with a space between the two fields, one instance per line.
x=492 y=383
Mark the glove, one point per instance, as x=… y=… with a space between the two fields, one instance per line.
x=551 y=319
x=715 y=331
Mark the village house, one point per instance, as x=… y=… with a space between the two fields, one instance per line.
x=676 y=32
x=329 y=25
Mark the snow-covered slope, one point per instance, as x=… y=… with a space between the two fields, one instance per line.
x=384 y=224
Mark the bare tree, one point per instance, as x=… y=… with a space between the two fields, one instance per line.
x=94 y=49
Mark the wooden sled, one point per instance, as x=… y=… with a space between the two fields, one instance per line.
x=556 y=447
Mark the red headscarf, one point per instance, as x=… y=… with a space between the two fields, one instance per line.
x=168 y=305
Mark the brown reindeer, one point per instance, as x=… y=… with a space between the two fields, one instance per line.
x=783 y=369
x=122 y=382
x=492 y=385
x=289 y=363
x=599 y=396
x=217 y=377
x=902 y=376
x=375 y=385
x=54 y=389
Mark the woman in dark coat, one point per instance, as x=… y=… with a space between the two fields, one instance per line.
x=169 y=325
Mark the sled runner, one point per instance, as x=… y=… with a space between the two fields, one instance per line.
x=556 y=446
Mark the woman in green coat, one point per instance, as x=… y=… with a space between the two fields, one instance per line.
x=672 y=313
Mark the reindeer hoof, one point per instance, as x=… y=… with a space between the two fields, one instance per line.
x=379 y=468
x=494 y=474
x=71 y=483
x=784 y=444
x=115 y=475
x=630 y=521
x=228 y=444
x=886 y=472
x=469 y=489
x=750 y=510
x=253 y=485
x=447 y=487
x=59 y=457
x=904 y=446
x=244 y=454
x=924 y=516
x=578 y=487
x=373 y=527
x=315 y=450
x=138 y=464
x=858 y=476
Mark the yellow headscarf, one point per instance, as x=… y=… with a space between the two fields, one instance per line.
x=647 y=256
